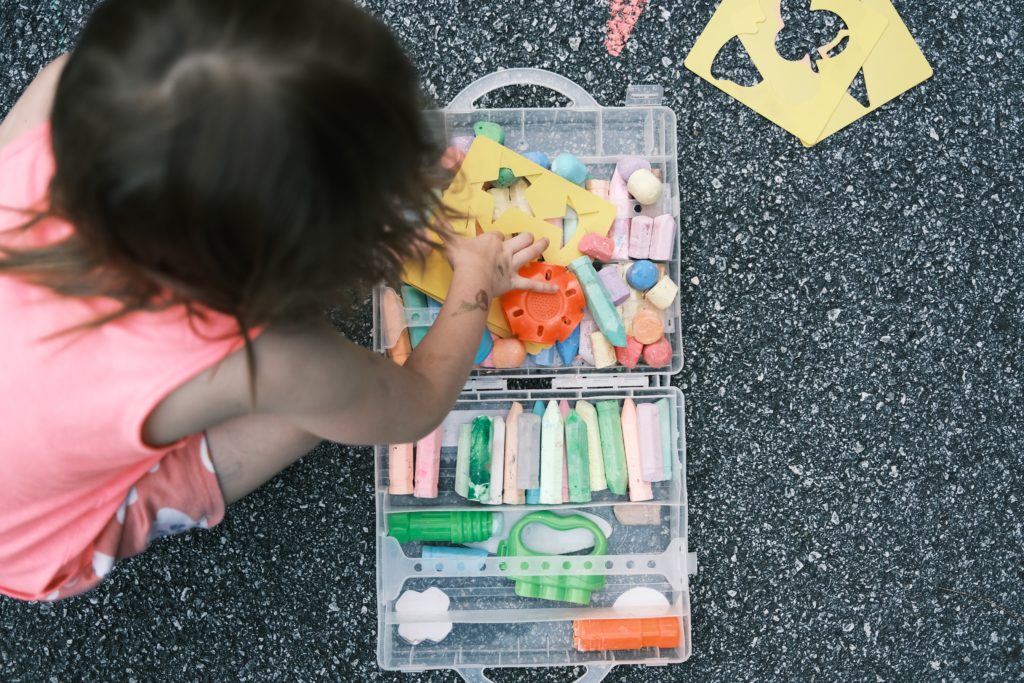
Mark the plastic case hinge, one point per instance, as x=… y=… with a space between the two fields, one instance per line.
x=644 y=95
x=609 y=381
x=485 y=384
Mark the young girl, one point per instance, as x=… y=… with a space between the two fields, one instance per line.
x=180 y=200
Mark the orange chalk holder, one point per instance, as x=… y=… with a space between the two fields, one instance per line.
x=543 y=317
x=592 y=635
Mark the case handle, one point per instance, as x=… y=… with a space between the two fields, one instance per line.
x=595 y=674
x=578 y=97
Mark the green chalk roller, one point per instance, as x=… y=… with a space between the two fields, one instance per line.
x=449 y=527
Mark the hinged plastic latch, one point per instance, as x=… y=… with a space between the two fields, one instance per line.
x=644 y=95
x=485 y=384
x=609 y=381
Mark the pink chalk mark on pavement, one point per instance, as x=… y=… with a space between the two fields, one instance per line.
x=625 y=14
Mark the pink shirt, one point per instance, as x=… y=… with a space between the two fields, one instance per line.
x=72 y=408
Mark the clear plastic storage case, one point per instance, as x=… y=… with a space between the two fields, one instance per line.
x=492 y=626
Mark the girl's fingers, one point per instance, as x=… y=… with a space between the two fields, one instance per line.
x=519 y=242
x=519 y=282
x=523 y=256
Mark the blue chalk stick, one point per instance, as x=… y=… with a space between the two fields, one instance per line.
x=642 y=275
x=432 y=551
x=544 y=358
x=414 y=298
x=570 y=347
x=484 y=350
x=533 y=495
x=539 y=158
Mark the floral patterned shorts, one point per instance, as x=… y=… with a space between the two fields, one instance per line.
x=178 y=493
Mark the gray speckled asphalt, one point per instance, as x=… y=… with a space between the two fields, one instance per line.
x=853 y=372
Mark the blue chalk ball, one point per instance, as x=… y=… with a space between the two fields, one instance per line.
x=642 y=275
x=570 y=168
x=539 y=158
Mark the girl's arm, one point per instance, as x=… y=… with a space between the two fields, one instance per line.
x=33 y=107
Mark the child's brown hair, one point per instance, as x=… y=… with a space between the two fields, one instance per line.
x=256 y=157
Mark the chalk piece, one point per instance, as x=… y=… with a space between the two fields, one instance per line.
x=663 y=238
x=511 y=493
x=564 y=410
x=497 y=460
x=619 y=235
x=587 y=328
x=568 y=349
x=617 y=189
x=539 y=158
x=627 y=311
x=508 y=353
x=400 y=469
x=484 y=350
x=665 y=427
x=647 y=326
x=629 y=165
x=431 y=552
x=462 y=142
x=597 y=247
x=506 y=176
x=640 y=228
x=604 y=352
x=414 y=298
x=570 y=222
x=618 y=195
x=428 y=465
x=544 y=358
x=569 y=167
x=489 y=129
x=533 y=494
x=663 y=294
x=452 y=159
x=598 y=187
x=433 y=602
x=396 y=337
x=652 y=466
x=482 y=441
x=502 y=200
x=528 y=473
x=644 y=186
x=595 y=465
x=629 y=355
x=637 y=515
x=462 y=460
x=612 y=445
x=638 y=488
x=552 y=440
x=642 y=275
x=612 y=281
x=602 y=309
x=578 y=457
x=658 y=354
x=517 y=196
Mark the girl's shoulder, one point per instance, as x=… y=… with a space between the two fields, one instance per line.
x=26 y=167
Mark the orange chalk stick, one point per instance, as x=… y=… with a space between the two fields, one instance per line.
x=592 y=635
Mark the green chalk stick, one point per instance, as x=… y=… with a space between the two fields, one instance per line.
x=578 y=458
x=589 y=416
x=414 y=298
x=599 y=301
x=462 y=460
x=612 y=446
x=481 y=443
x=552 y=448
x=665 y=420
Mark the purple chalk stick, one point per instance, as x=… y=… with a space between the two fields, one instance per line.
x=612 y=279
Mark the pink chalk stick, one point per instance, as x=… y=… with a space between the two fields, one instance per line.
x=620 y=239
x=617 y=190
x=638 y=488
x=563 y=408
x=428 y=464
x=663 y=238
x=597 y=247
x=613 y=282
x=400 y=469
x=598 y=187
x=658 y=354
x=652 y=465
x=640 y=229
x=629 y=355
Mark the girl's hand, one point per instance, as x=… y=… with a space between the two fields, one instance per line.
x=497 y=260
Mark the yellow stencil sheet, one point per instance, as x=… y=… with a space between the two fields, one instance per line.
x=790 y=93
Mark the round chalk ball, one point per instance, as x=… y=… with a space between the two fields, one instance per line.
x=490 y=130
x=570 y=168
x=508 y=353
x=627 y=166
x=647 y=326
x=642 y=275
x=505 y=177
x=539 y=158
x=644 y=187
x=658 y=354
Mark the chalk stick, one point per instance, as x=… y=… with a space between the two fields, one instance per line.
x=482 y=441
x=638 y=488
x=414 y=298
x=544 y=358
x=587 y=328
x=533 y=493
x=528 y=437
x=570 y=223
x=502 y=201
x=564 y=410
x=665 y=425
x=614 y=284
x=511 y=493
x=618 y=194
x=568 y=349
x=604 y=352
x=652 y=465
x=396 y=337
x=663 y=238
x=437 y=551
x=498 y=458
x=400 y=469
x=578 y=458
x=552 y=443
x=428 y=465
x=462 y=460
x=597 y=187
x=588 y=414
x=484 y=350
x=517 y=196
x=602 y=309
x=612 y=446
x=640 y=228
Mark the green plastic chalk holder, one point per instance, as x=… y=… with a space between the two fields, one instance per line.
x=559 y=587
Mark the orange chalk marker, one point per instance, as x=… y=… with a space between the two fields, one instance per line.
x=592 y=635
